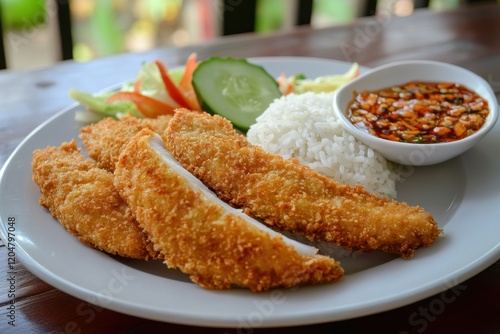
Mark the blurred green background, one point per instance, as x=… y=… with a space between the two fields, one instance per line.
x=105 y=27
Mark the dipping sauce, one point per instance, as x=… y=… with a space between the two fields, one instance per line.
x=419 y=112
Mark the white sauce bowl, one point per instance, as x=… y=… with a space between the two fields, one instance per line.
x=399 y=73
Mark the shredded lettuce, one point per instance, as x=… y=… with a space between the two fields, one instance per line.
x=299 y=84
x=151 y=85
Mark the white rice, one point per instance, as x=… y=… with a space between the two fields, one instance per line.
x=304 y=127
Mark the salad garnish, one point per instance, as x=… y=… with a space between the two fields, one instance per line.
x=233 y=88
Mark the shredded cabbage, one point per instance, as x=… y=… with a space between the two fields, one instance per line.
x=151 y=85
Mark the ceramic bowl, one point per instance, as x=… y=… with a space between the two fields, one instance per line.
x=420 y=70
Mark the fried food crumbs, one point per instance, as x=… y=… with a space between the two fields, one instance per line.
x=83 y=198
x=105 y=139
x=216 y=248
x=290 y=196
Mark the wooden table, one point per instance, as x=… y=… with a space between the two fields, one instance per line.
x=469 y=37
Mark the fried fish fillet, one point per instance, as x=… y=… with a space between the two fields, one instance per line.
x=216 y=245
x=293 y=197
x=105 y=139
x=84 y=200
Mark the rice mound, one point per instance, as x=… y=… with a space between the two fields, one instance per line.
x=304 y=127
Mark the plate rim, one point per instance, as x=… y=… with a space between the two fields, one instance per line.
x=127 y=307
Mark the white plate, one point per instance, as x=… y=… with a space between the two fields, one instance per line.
x=463 y=194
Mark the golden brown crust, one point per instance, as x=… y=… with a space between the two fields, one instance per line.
x=84 y=200
x=217 y=249
x=105 y=139
x=291 y=196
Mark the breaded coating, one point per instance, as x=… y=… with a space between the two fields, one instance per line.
x=291 y=196
x=83 y=198
x=216 y=248
x=105 y=139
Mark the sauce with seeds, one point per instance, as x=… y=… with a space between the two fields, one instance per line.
x=419 y=112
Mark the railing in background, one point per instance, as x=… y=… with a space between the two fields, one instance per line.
x=242 y=18
x=65 y=31
x=3 y=61
x=212 y=17
x=30 y=14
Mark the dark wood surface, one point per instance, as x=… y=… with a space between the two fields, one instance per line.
x=469 y=37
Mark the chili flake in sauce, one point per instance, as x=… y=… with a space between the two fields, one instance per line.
x=419 y=112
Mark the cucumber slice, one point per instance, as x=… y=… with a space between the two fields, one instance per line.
x=235 y=89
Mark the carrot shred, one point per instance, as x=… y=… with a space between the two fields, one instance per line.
x=170 y=86
x=148 y=106
x=191 y=65
x=285 y=87
x=137 y=86
x=186 y=86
